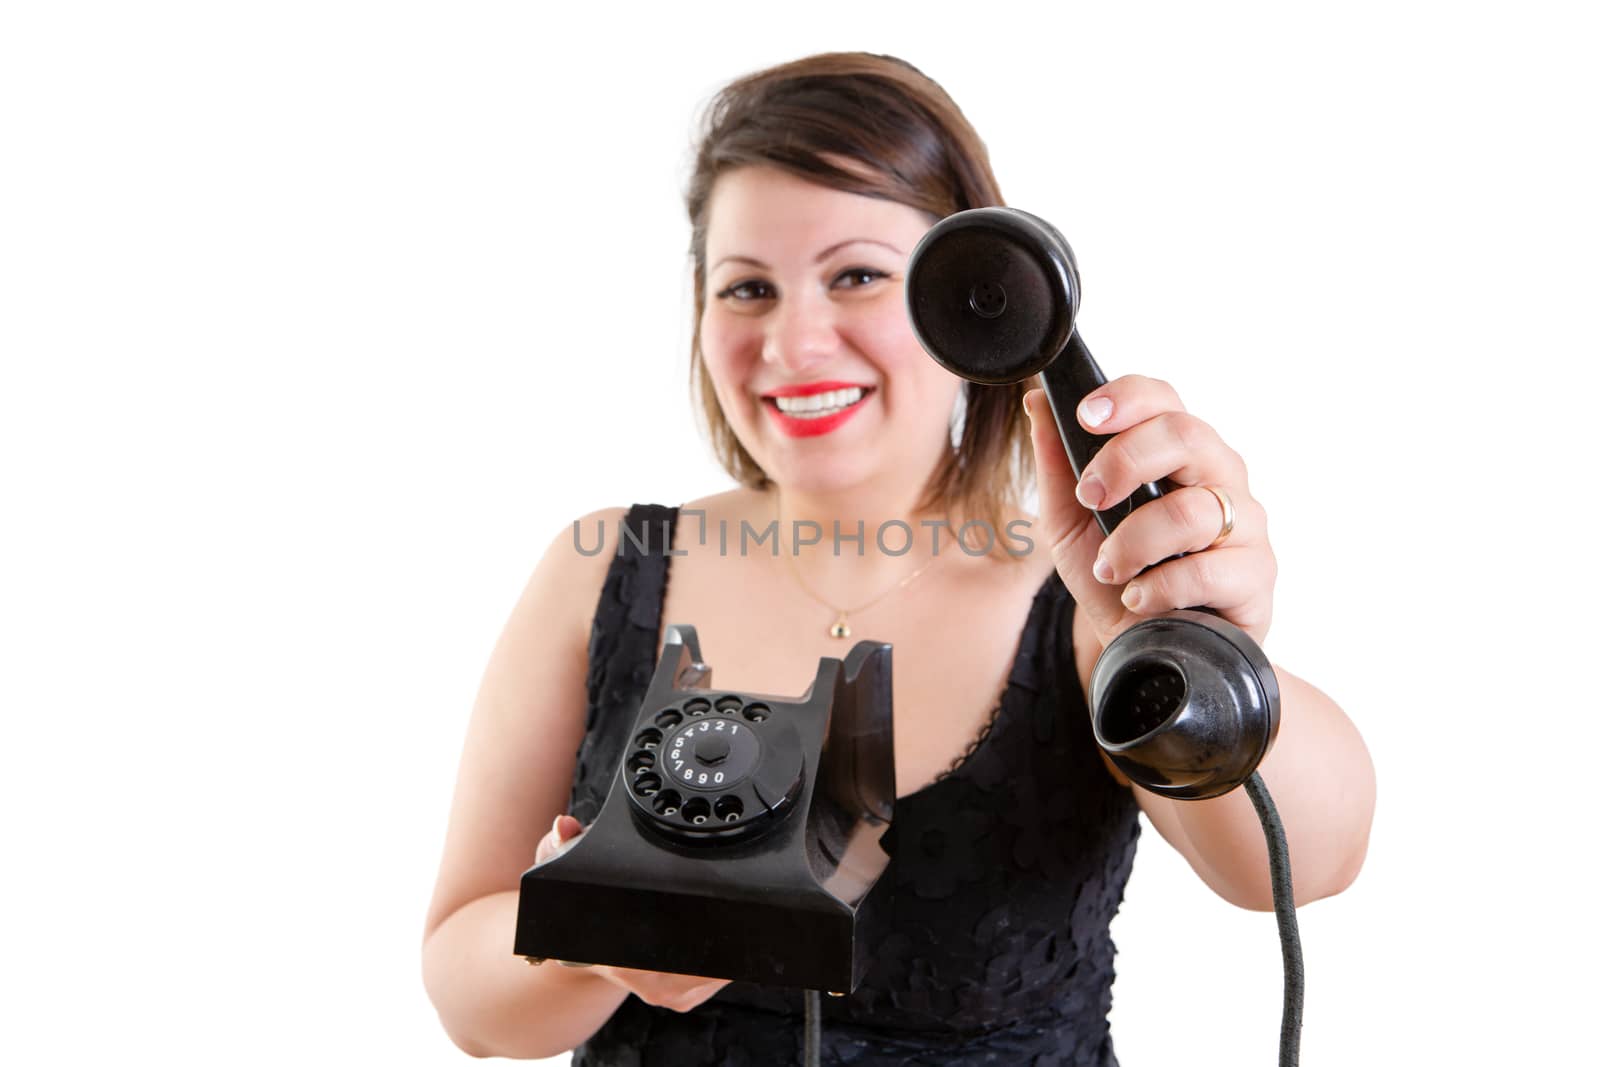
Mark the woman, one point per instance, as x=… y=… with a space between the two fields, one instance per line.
x=1014 y=836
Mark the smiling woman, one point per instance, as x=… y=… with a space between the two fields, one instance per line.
x=1012 y=836
x=805 y=339
x=876 y=127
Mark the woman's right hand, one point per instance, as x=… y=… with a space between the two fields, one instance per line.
x=679 y=992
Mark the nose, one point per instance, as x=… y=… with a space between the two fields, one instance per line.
x=801 y=334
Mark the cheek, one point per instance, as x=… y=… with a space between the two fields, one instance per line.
x=913 y=377
x=729 y=350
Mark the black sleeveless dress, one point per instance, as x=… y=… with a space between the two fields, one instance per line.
x=1005 y=875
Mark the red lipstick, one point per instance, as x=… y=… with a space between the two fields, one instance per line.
x=813 y=426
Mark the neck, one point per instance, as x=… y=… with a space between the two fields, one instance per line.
x=892 y=529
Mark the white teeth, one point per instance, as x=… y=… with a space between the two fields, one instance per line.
x=819 y=404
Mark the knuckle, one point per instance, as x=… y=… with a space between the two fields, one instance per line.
x=1241 y=467
x=1158 y=586
x=1158 y=393
x=1110 y=464
x=1255 y=616
x=1168 y=392
x=655 y=990
x=1190 y=434
x=1130 y=455
x=1188 y=511
x=1208 y=573
x=688 y=999
x=1107 y=461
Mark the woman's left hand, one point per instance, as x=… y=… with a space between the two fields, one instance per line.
x=1153 y=437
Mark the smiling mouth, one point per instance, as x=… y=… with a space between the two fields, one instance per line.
x=818 y=405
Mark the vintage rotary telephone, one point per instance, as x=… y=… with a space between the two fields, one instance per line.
x=740 y=836
x=1186 y=705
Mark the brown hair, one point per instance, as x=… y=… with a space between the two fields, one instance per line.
x=916 y=148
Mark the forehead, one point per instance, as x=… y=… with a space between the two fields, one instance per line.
x=769 y=213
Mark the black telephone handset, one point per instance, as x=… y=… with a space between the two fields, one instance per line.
x=1185 y=704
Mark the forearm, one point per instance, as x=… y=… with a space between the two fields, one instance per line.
x=1321 y=779
x=492 y=1003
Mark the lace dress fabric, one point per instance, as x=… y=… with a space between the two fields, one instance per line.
x=1005 y=873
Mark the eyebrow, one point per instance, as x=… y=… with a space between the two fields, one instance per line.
x=822 y=255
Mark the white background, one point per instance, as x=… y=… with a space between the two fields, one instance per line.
x=320 y=320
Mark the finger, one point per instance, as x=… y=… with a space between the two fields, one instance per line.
x=1125 y=402
x=562 y=831
x=1172 y=444
x=1068 y=529
x=702 y=993
x=658 y=980
x=1057 y=510
x=1236 y=581
x=546 y=847
x=662 y=989
x=690 y=998
x=1185 y=520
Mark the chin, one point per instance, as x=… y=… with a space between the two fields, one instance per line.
x=820 y=475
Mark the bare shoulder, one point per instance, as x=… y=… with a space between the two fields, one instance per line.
x=725 y=501
x=729 y=506
x=526 y=725
x=575 y=561
x=550 y=623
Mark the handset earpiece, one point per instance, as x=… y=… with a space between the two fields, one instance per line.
x=1186 y=705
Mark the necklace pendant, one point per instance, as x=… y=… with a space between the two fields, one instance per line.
x=840 y=628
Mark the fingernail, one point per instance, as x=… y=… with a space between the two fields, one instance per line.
x=555 y=827
x=1102 y=569
x=1091 y=493
x=1095 y=411
x=1131 y=597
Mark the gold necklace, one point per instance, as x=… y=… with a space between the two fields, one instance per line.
x=841 y=623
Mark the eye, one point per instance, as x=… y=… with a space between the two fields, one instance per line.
x=858 y=278
x=746 y=291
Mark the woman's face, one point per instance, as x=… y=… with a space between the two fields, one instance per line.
x=806 y=338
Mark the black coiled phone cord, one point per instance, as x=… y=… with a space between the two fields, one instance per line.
x=1294 y=968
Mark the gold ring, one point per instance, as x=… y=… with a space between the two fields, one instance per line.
x=1227 y=514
